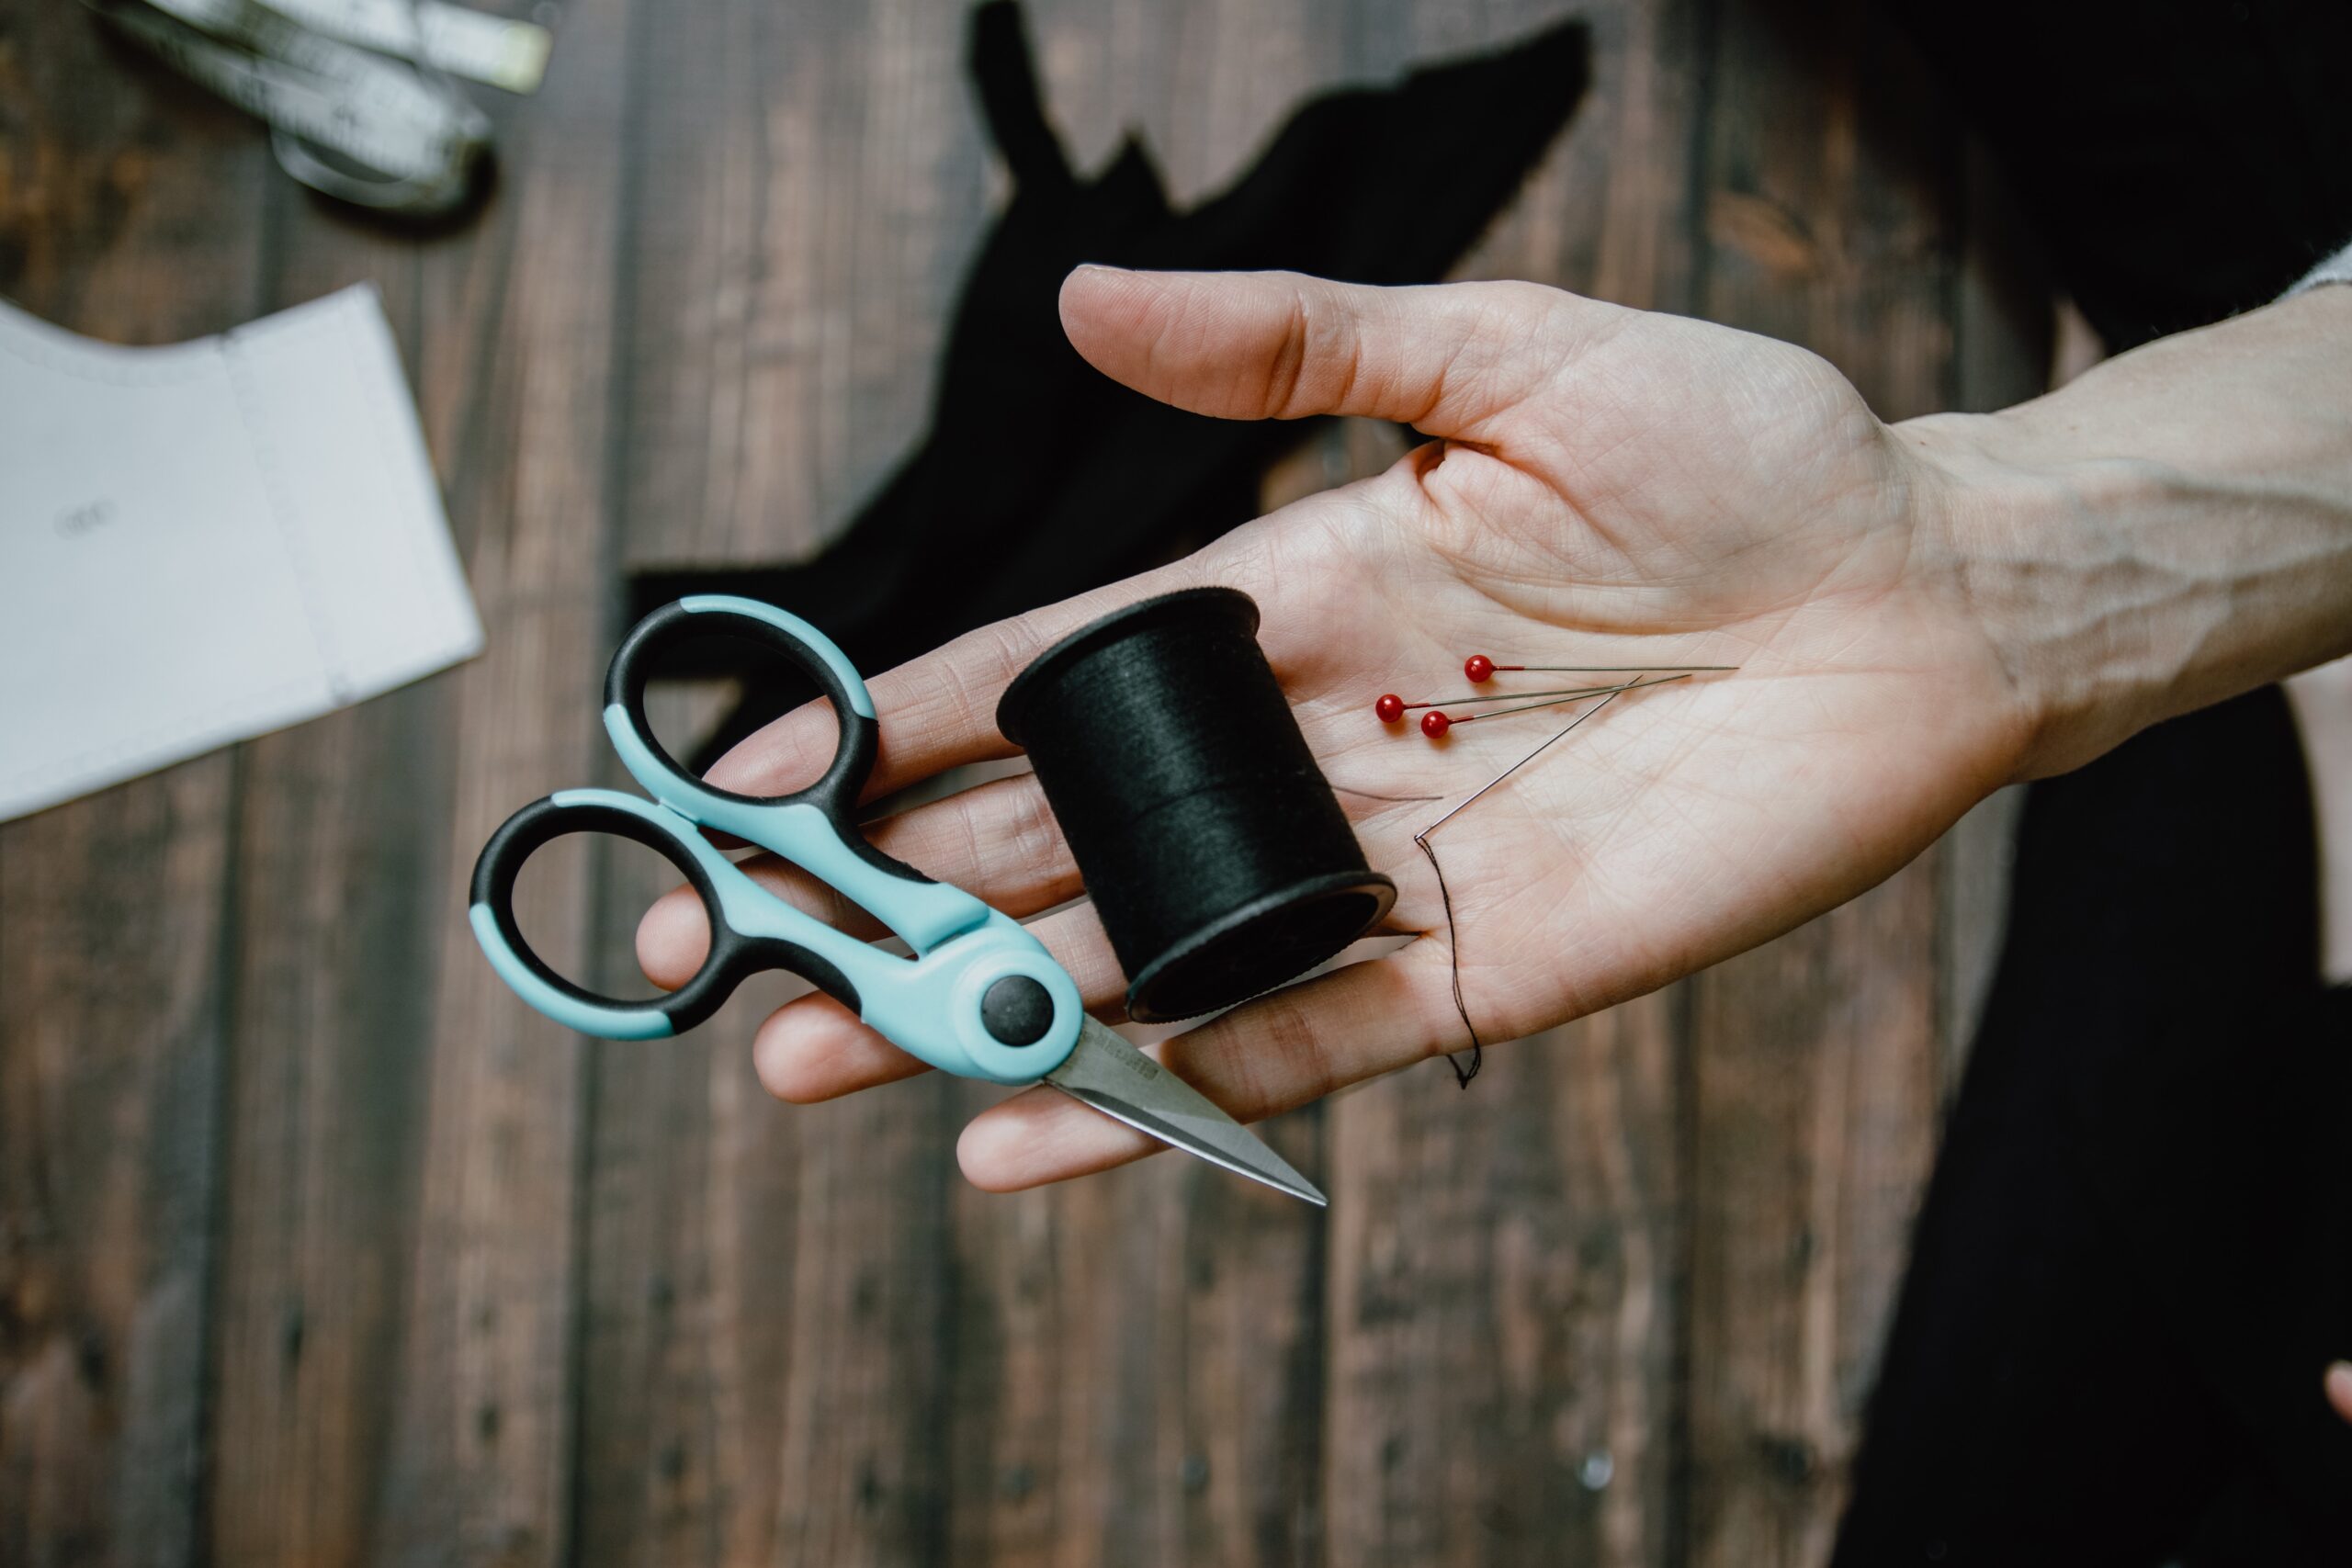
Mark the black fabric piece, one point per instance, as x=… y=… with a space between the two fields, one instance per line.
x=1216 y=852
x=1040 y=477
x=2133 y=1261
x=2182 y=160
x=2135 y=1258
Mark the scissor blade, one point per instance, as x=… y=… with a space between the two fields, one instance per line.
x=1105 y=1072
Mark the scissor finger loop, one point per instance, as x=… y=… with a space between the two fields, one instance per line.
x=814 y=828
x=979 y=996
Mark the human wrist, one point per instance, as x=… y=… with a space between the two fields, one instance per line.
x=2023 y=542
x=2171 y=529
x=1992 y=532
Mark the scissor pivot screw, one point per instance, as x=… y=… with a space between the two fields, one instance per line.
x=1017 y=1011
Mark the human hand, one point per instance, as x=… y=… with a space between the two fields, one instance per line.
x=1604 y=486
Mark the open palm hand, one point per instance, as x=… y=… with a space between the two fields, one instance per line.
x=1604 y=487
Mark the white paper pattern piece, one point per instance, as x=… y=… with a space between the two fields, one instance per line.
x=207 y=541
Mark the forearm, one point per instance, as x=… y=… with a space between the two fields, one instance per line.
x=2173 y=527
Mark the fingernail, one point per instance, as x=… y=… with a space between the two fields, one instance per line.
x=1096 y=266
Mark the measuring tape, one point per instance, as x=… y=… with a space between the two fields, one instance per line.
x=356 y=92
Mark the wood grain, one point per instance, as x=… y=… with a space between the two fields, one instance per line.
x=763 y=1294
x=317 y=1246
x=1507 y=1304
x=333 y=929
x=1138 y=1362
x=812 y=182
x=1831 y=185
x=1138 y=1371
x=397 y=1296
x=129 y=209
x=481 y=1435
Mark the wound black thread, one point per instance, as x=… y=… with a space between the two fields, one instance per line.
x=1211 y=845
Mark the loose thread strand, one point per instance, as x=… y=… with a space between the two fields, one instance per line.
x=1462 y=1076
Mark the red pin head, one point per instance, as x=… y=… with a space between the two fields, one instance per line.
x=1434 y=725
x=1390 y=708
x=1479 y=667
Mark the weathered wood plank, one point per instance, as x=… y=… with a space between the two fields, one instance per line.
x=766 y=1286
x=1504 y=1305
x=783 y=1302
x=129 y=209
x=813 y=181
x=1831 y=221
x=396 y=1272
x=1507 y=1302
x=480 y=1457
x=692 y=1264
x=1137 y=1359
x=454 y=1250
x=1138 y=1370
x=334 y=931
x=112 y=919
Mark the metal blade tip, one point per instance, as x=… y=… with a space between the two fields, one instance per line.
x=1107 y=1073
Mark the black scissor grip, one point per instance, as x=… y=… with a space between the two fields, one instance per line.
x=633 y=664
x=732 y=956
x=836 y=793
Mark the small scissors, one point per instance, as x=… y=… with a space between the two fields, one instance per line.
x=981 y=998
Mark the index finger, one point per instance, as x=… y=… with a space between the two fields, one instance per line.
x=935 y=712
x=1443 y=358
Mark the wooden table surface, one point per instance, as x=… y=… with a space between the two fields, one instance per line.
x=316 y=1247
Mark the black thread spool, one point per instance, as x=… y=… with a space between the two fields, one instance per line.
x=1215 y=851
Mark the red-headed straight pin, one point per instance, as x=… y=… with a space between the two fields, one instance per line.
x=1435 y=723
x=1392 y=708
x=1481 y=669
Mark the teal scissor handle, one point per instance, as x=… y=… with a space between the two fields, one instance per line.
x=980 y=997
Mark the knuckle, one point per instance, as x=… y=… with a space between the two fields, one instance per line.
x=1285 y=367
x=1292 y=1050
x=1032 y=830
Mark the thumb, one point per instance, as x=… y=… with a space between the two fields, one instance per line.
x=1446 y=358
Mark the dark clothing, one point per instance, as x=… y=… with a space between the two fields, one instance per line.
x=2135 y=1259
x=2181 y=162
x=2136 y=1254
